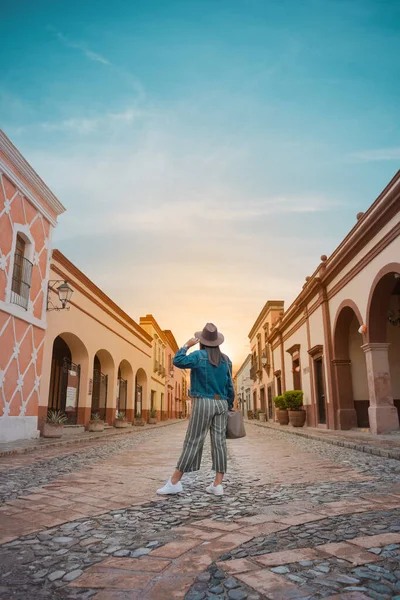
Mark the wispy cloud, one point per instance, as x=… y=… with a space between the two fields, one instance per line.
x=79 y=46
x=379 y=154
x=89 y=125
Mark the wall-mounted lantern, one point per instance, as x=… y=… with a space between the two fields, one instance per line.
x=64 y=292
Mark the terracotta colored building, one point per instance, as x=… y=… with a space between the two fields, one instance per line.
x=339 y=341
x=28 y=214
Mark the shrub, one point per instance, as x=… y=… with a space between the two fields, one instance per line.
x=95 y=417
x=153 y=413
x=294 y=399
x=280 y=403
x=120 y=416
x=56 y=417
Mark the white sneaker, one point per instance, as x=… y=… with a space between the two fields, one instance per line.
x=217 y=490
x=171 y=488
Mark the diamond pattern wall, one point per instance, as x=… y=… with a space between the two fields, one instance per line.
x=21 y=341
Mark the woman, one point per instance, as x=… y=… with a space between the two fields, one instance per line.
x=212 y=391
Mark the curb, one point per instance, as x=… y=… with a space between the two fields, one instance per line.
x=368 y=449
x=82 y=440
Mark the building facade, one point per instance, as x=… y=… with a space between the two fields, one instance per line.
x=97 y=359
x=262 y=363
x=160 y=370
x=175 y=382
x=243 y=386
x=339 y=341
x=28 y=214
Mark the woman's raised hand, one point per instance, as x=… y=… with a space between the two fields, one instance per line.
x=192 y=342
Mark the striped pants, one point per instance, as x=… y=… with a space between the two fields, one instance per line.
x=211 y=415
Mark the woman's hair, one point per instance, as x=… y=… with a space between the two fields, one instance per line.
x=214 y=354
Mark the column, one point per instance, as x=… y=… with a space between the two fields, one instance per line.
x=111 y=396
x=383 y=416
x=346 y=413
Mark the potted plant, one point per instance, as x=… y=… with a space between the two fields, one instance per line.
x=120 y=420
x=294 y=402
x=261 y=415
x=249 y=414
x=54 y=424
x=96 y=423
x=153 y=416
x=281 y=410
x=138 y=420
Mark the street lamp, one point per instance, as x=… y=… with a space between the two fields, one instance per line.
x=64 y=292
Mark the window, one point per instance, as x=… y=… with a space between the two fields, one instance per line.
x=22 y=275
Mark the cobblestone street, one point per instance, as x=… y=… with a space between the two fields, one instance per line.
x=299 y=519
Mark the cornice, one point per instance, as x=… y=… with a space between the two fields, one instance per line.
x=29 y=174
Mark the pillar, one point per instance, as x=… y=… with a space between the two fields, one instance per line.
x=346 y=413
x=383 y=416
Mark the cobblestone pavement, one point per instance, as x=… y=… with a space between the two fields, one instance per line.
x=299 y=519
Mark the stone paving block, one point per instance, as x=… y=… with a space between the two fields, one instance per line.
x=275 y=559
x=145 y=563
x=116 y=595
x=197 y=533
x=256 y=519
x=273 y=586
x=349 y=596
x=112 y=579
x=175 y=548
x=374 y=541
x=212 y=524
x=300 y=519
x=348 y=552
x=194 y=562
x=170 y=588
x=237 y=565
x=263 y=529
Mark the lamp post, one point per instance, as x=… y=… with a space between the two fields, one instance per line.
x=64 y=292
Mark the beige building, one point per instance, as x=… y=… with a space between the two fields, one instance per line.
x=243 y=386
x=96 y=358
x=159 y=368
x=339 y=341
x=265 y=385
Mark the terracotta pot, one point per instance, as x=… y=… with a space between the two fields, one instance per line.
x=96 y=426
x=297 y=418
x=152 y=420
x=52 y=430
x=119 y=423
x=282 y=416
x=138 y=421
x=261 y=416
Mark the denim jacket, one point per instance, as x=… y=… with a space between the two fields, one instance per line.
x=206 y=380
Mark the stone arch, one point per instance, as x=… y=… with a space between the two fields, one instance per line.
x=125 y=389
x=350 y=368
x=69 y=359
x=142 y=402
x=103 y=381
x=383 y=349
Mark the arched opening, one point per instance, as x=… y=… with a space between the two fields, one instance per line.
x=125 y=389
x=68 y=357
x=350 y=370
x=383 y=350
x=103 y=371
x=141 y=401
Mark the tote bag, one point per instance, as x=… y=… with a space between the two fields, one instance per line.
x=235 y=426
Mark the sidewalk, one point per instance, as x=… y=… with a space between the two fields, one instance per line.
x=24 y=446
x=387 y=446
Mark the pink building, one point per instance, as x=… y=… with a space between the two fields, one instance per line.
x=28 y=213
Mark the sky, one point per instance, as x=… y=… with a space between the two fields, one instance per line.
x=207 y=152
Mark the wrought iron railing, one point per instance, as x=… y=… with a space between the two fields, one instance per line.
x=21 y=281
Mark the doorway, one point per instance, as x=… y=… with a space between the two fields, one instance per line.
x=320 y=389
